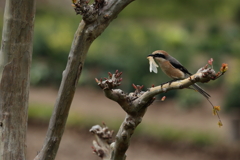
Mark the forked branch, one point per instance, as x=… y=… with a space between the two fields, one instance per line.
x=96 y=18
x=135 y=104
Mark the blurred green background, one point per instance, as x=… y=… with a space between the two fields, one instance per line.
x=191 y=31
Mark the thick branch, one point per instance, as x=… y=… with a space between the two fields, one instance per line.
x=135 y=104
x=89 y=29
x=203 y=76
x=124 y=134
x=15 y=62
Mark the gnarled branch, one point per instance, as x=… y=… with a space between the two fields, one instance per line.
x=135 y=104
x=96 y=17
x=103 y=140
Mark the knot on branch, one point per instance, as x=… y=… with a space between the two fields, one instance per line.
x=208 y=73
x=129 y=123
x=111 y=82
x=137 y=93
x=203 y=75
x=89 y=12
x=102 y=132
x=138 y=89
x=101 y=146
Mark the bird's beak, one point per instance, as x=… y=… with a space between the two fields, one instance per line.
x=150 y=55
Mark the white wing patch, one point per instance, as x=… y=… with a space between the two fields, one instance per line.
x=152 y=64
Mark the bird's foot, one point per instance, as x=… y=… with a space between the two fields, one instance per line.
x=170 y=82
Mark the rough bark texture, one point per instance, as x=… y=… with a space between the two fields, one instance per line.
x=135 y=105
x=15 y=62
x=103 y=140
x=96 y=18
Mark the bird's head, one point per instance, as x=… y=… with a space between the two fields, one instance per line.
x=159 y=55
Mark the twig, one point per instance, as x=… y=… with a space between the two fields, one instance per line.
x=135 y=104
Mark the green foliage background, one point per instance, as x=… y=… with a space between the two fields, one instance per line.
x=192 y=31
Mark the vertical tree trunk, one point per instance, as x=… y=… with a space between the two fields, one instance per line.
x=15 y=61
x=235 y=125
x=95 y=21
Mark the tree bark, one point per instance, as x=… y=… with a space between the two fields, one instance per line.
x=135 y=104
x=96 y=18
x=15 y=62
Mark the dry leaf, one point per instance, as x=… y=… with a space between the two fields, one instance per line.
x=152 y=64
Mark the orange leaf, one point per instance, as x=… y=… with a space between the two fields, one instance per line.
x=224 y=67
x=214 y=112
x=220 y=124
x=163 y=98
x=217 y=108
x=210 y=61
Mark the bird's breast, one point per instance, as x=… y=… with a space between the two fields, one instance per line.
x=171 y=71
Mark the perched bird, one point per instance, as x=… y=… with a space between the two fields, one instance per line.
x=173 y=68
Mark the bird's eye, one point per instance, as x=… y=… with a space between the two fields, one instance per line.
x=160 y=55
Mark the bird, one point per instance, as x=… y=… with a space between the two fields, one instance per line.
x=174 y=69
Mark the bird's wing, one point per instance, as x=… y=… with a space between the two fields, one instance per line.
x=178 y=65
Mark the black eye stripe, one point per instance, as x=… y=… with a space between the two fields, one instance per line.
x=160 y=55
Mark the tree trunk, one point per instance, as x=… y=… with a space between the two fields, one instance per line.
x=15 y=61
x=235 y=125
x=96 y=18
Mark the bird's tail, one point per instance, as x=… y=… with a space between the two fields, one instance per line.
x=201 y=91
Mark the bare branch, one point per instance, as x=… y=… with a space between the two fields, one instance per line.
x=135 y=104
x=89 y=29
x=203 y=75
x=104 y=138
